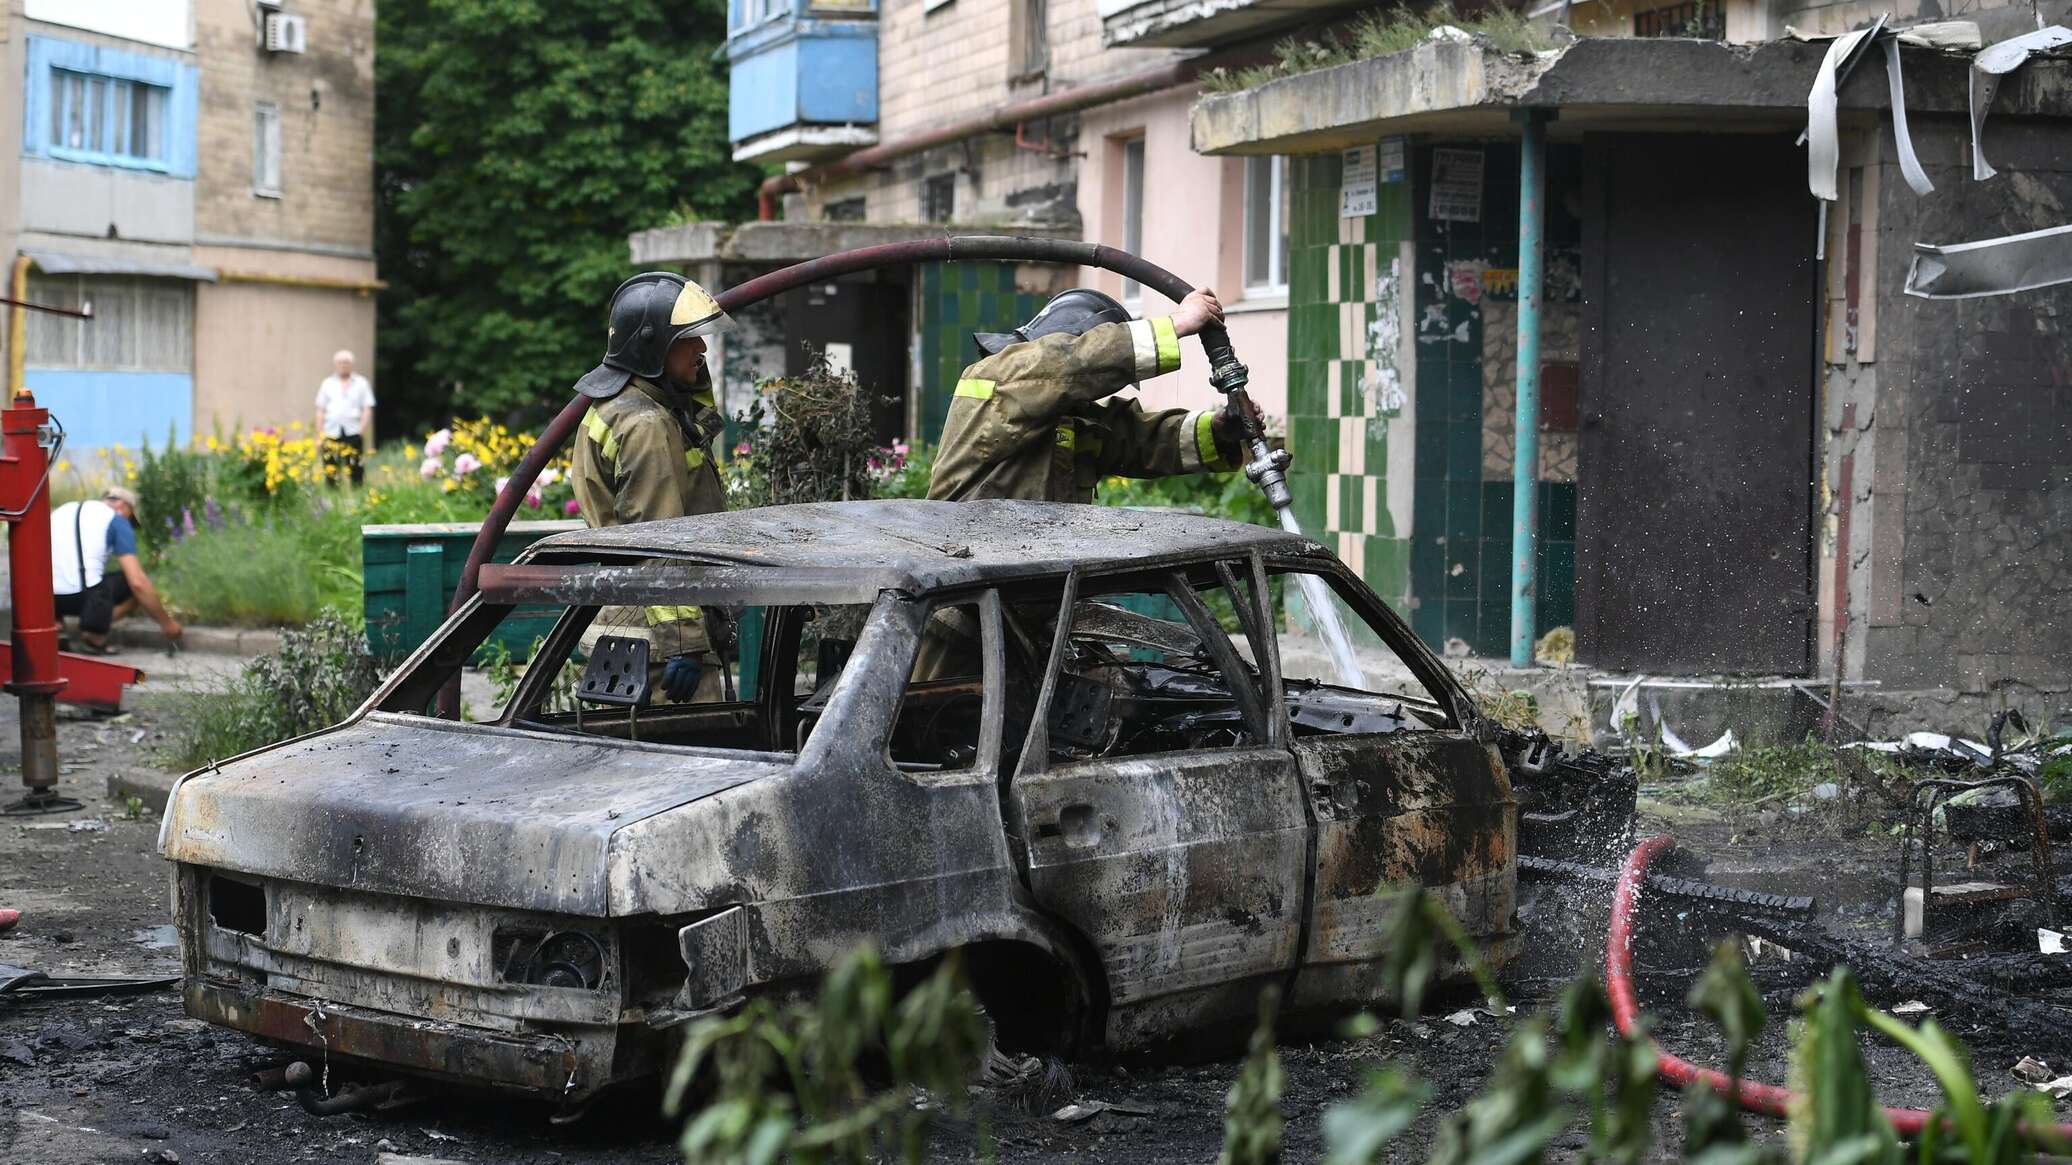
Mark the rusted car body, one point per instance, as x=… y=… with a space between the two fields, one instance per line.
x=1068 y=742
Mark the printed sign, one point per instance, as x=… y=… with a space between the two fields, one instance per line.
x=1393 y=153
x=1456 y=186
x=1356 y=194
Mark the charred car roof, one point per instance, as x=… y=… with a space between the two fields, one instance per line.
x=919 y=546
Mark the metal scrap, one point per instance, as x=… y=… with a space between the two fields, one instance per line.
x=2000 y=266
x=1987 y=68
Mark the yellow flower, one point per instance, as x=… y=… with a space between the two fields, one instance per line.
x=294 y=426
x=64 y=467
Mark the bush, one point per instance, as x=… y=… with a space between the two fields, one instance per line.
x=320 y=675
x=809 y=438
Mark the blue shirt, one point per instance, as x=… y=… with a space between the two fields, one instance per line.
x=122 y=537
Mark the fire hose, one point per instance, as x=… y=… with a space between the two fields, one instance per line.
x=1754 y=1096
x=1264 y=465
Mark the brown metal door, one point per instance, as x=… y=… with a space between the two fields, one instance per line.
x=1694 y=492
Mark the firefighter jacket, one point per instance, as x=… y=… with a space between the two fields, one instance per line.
x=641 y=456
x=1031 y=421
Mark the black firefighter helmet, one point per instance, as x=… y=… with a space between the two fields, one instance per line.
x=650 y=312
x=1075 y=312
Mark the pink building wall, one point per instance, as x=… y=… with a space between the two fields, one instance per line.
x=1193 y=226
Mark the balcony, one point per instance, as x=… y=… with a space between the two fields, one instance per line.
x=1189 y=24
x=803 y=78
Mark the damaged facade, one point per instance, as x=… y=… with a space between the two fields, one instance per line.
x=1750 y=435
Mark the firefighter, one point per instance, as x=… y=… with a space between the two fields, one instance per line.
x=1034 y=418
x=644 y=452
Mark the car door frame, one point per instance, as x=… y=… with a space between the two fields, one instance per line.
x=1135 y=809
x=1387 y=809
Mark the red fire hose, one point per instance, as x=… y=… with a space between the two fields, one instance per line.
x=1618 y=973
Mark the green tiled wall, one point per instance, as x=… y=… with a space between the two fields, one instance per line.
x=1460 y=561
x=1339 y=440
x=958 y=299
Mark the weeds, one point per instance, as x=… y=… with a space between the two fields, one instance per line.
x=811 y=439
x=1377 y=34
x=1777 y=771
x=319 y=676
x=830 y=1081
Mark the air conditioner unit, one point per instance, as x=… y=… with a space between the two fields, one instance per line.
x=286 y=33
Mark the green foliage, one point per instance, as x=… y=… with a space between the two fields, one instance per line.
x=274 y=568
x=1754 y=774
x=1252 y=1120
x=1380 y=33
x=318 y=677
x=1219 y=495
x=517 y=143
x=173 y=486
x=796 y=1082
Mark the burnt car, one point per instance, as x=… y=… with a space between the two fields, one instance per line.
x=1098 y=753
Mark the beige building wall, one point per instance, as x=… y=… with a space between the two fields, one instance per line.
x=298 y=264
x=1193 y=226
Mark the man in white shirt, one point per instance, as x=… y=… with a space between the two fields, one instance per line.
x=345 y=416
x=84 y=537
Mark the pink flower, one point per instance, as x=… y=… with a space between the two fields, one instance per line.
x=501 y=482
x=900 y=447
x=571 y=508
x=435 y=444
x=466 y=464
x=741 y=450
x=431 y=468
x=534 y=498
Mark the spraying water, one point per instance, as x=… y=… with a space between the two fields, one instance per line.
x=1316 y=594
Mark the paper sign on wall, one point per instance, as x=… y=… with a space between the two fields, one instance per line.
x=1393 y=152
x=1456 y=185
x=1356 y=194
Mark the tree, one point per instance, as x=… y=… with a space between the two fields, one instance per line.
x=517 y=143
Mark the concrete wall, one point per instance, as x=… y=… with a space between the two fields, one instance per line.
x=260 y=347
x=1959 y=560
x=101 y=202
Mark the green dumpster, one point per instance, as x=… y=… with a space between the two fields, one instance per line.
x=408 y=574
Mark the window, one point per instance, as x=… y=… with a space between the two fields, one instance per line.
x=939 y=198
x=845 y=210
x=1028 y=39
x=107 y=117
x=266 y=150
x=138 y=325
x=1266 y=226
x=1132 y=209
x=1338 y=671
x=747 y=15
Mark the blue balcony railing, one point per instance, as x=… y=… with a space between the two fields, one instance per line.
x=803 y=77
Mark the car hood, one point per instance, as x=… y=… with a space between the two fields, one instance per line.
x=433 y=809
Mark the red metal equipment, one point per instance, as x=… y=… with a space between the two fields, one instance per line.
x=26 y=441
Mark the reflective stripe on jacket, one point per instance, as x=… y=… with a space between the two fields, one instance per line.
x=1031 y=421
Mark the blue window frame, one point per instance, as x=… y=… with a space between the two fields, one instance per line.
x=106 y=107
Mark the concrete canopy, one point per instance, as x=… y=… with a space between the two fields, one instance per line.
x=1468 y=89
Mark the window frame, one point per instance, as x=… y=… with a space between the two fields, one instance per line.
x=51 y=58
x=266 y=145
x=931 y=183
x=1439 y=682
x=1265 y=713
x=1028 y=40
x=985 y=766
x=1276 y=282
x=1133 y=174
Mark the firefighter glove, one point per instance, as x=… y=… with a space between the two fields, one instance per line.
x=680 y=676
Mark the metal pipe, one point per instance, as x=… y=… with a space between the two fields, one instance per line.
x=1225 y=372
x=1004 y=117
x=1525 y=476
x=18 y=324
x=35 y=680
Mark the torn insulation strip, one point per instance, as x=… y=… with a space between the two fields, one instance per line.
x=1992 y=63
x=1992 y=266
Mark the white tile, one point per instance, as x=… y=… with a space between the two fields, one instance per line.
x=1352 y=445
x=1331 y=501
x=1332 y=292
x=1370 y=489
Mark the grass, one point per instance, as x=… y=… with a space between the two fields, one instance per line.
x=1377 y=34
x=281 y=568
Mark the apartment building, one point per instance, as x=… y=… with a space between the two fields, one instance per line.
x=908 y=118
x=199 y=172
x=1757 y=452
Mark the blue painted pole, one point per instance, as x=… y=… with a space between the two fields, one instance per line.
x=1525 y=477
